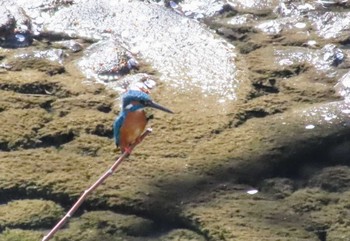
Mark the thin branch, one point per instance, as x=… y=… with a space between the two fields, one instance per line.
x=93 y=187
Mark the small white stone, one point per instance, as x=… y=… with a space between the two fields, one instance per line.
x=309 y=127
x=311 y=43
x=300 y=25
x=252 y=192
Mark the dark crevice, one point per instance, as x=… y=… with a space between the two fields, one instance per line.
x=255 y=114
x=45 y=141
x=49 y=37
x=265 y=88
x=56 y=140
x=32 y=88
x=320 y=230
x=104 y=108
x=235 y=34
x=242 y=118
x=322 y=235
x=52 y=36
x=47 y=105
x=4 y=146
x=291 y=161
x=101 y=130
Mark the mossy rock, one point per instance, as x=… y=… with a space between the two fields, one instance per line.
x=20 y=126
x=15 y=100
x=20 y=235
x=308 y=200
x=29 y=214
x=77 y=122
x=106 y=225
x=332 y=179
x=76 y=234
x=182 y=235
x=42 y=65
x=339 y=233
x=278 y=187
x=113 y=223
x=332 y=220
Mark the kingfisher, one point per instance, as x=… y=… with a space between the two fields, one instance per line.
x=132 y=120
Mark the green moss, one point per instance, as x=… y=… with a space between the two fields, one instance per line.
x=20 y=235
x=29 y=214
x=117 y=223
x=19 y=127
x=15 y=100
x=49 y=67
x=306 y=200
x=76 y=234
x=338 y=233
x=182 y=235
x=106 y=225
x=332 y=179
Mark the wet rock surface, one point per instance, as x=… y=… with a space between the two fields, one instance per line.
x=15 y=28
x=260 y=90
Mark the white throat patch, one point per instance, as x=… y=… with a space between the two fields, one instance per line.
x=133 y=107
x=129 y=106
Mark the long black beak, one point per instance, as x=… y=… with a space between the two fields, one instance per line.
x=158 y=106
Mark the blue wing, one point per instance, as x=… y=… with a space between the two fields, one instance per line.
x=116 y=127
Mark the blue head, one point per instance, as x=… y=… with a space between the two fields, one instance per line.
x=134 y=100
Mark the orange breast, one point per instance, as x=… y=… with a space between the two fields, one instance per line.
x=133 y=126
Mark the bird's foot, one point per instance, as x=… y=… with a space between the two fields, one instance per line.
x=127 y=150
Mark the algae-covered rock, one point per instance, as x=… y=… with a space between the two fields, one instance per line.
x=339 y=233
x=332 y=179
x=307 y=200
x=182 y=235
x=117 y=223
x=15 y=100
x=78 y=121
x=29 y=214
x=19 y=127
x=278 y=187
x=106 y=225
x=20 y=235
x=236 y=215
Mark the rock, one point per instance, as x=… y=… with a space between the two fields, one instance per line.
x=343 y=86
x=72 y=45
x=47 y=61
x=15 y=28
x=14 y=125
x=29 y=214
x=332 y=179
x=308 y=200
x=278 y=187
x=166 y=55
x=182 y=234
x=201 y=9
x=116 y=223
x=7 y=22
x=106 y=61
x=19 y=234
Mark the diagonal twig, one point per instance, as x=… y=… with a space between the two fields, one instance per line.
x=93 y=187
